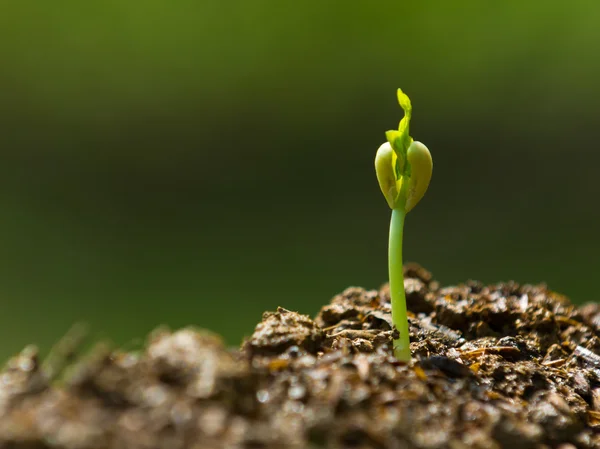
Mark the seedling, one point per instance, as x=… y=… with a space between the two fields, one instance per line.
x=403 y=169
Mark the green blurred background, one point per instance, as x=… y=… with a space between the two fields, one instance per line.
x=198 y=162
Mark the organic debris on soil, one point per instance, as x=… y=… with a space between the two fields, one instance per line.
x=500 y=366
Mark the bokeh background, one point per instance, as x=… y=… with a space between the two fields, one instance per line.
x=198 y=162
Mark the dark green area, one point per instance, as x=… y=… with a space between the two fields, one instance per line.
x=198 y=162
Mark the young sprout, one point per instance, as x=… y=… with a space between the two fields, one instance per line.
x=403 y=169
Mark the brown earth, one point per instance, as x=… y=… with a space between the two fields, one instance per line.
x=500 y=366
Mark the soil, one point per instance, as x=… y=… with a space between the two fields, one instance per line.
x=499 y=366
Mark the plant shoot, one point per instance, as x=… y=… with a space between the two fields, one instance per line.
x=403 y=168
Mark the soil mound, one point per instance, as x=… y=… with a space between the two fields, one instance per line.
x=499 y=366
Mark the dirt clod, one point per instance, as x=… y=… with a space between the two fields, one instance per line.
x=498 y=366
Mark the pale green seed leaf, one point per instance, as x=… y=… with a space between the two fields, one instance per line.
x=421 y=164
x=384 y=168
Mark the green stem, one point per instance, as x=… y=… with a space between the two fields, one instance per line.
x=397 y=295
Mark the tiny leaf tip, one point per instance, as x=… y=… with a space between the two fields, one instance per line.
x=405 y=103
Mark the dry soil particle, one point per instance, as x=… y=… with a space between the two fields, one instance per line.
x=494 y=366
